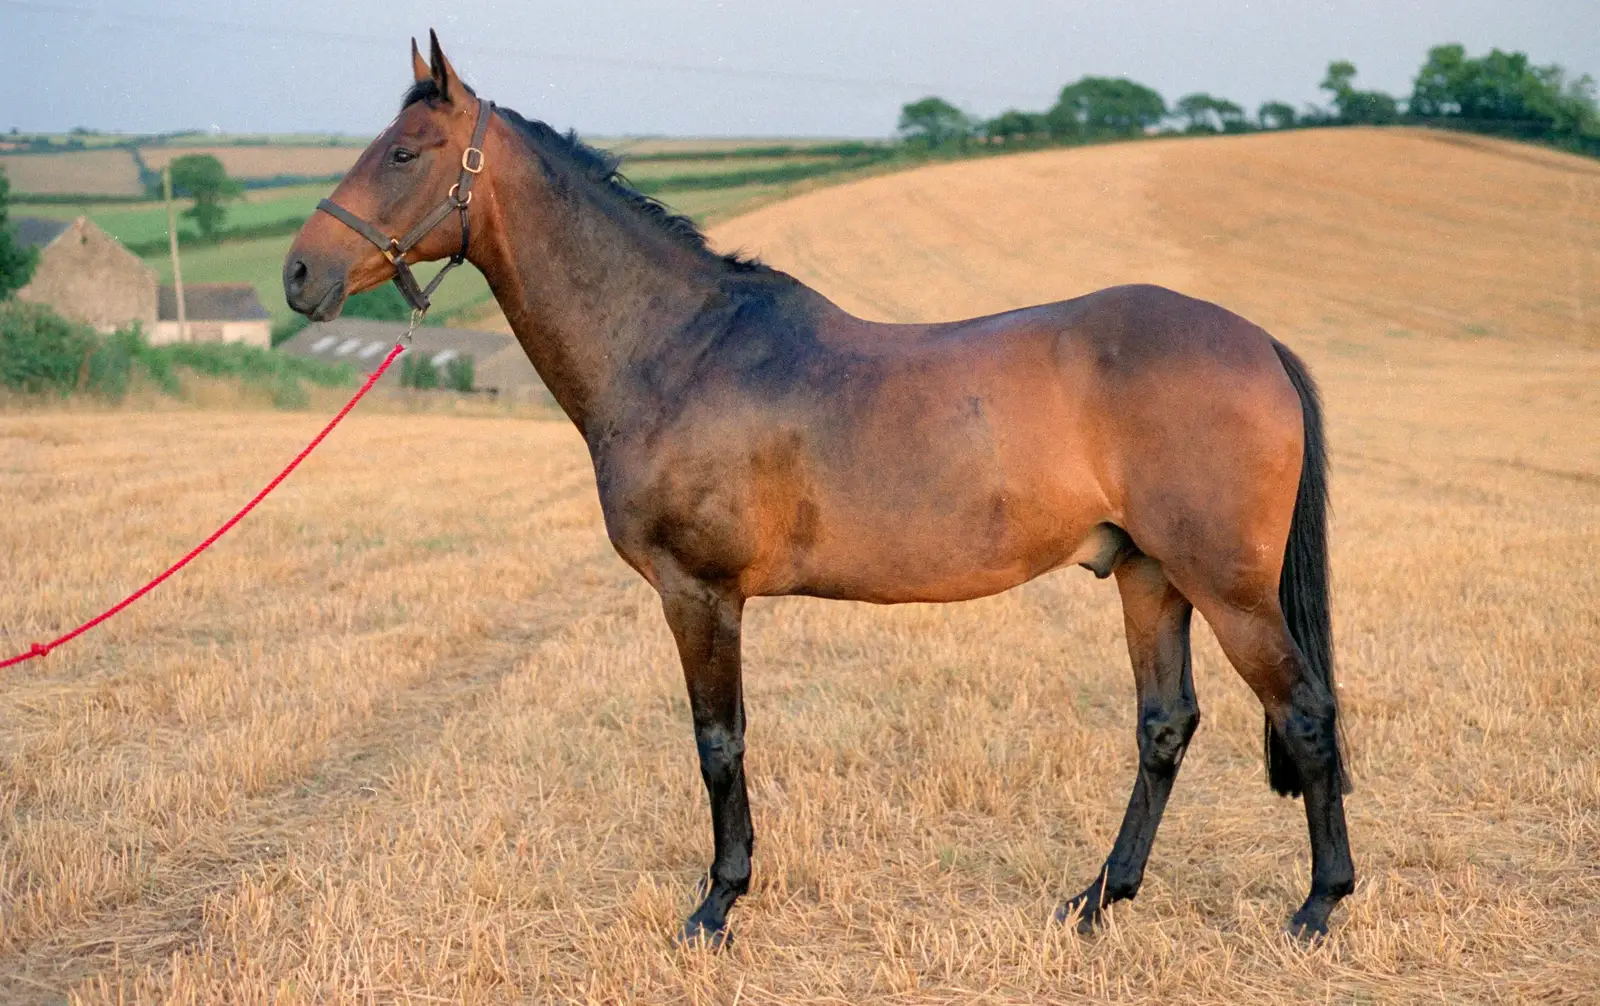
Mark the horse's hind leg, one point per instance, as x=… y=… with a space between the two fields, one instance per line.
x=1156 y=620
x=1302 y=711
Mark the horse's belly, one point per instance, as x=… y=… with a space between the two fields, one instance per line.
x=931 y=561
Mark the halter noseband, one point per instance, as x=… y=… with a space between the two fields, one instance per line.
x=458 y=199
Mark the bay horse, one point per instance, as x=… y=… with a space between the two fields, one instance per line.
x=750 y=438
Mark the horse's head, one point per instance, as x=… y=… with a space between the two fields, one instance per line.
x=377 y=221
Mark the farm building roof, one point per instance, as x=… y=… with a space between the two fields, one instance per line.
x=499 y=361
x=212 y=302
x=36 y=232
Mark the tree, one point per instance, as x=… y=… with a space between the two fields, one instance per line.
x=1198 y=108
x=1340 y=77
x=202 y=178
x=1210 y=115
x=1502 y=85
x=1505 y=89
x=934 y=122
x=1275 y=115
x=1577 y=114
x=1062 y=123
x=1232 y=116
x=1436 y=90
x=1106 y=106
x=1369 y=107
x=1011 y=126
x=16 y=264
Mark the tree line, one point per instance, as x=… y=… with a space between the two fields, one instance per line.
x=1502 y=93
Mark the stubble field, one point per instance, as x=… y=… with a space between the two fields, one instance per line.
x=103 y=172
x=266 y=160
x=415 y=734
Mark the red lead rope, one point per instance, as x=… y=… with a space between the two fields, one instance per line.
x=41 y=649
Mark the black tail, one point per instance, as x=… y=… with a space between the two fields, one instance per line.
x=1303 y=588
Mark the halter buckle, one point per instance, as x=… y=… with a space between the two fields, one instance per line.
x=472 y=160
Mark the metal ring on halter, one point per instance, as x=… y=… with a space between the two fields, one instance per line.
x=453 y=198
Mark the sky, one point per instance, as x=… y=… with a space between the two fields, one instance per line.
x=709 y=68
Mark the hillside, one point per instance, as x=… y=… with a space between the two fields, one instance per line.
x=1432 y=233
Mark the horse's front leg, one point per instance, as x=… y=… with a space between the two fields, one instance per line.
x=705 y=621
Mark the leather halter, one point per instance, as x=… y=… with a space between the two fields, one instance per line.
x=458 y=199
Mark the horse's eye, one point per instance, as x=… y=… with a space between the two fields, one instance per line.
x=402 y=156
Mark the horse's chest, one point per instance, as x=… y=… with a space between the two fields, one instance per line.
x=690 y=509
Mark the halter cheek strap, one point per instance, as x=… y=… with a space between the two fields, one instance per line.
x=458 y=199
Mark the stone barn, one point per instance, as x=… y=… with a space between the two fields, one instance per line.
x=85 y=274
x=213 y=312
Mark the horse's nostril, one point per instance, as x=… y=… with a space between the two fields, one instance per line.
x=297 y=273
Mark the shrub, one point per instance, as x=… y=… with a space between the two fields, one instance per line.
x=250 y=364
x=420 y=372
x=289 y=395
x=110 y=368
x=417 y=371
x=382 y=302
x=40 y=351
x=283 y=331
x=458 y=375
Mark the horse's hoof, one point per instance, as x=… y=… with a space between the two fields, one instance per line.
x=697 y=934
x=1089 y=917
x=1308 y=928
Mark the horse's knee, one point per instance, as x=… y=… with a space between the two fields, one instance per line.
x=1164 y=733
x=721 y=753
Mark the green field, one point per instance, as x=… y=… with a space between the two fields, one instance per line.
x=710 y=181
x=707 y=205
x=639 y=170
x=138 y=221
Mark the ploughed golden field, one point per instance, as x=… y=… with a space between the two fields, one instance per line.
x=414 y=734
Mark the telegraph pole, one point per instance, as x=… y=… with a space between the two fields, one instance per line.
x=172 y=239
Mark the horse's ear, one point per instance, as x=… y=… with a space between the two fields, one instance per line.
x=444 y=75
x=419 y=69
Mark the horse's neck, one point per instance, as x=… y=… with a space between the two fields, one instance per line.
x=585 y=288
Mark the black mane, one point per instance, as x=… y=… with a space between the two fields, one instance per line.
x=602 y=168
